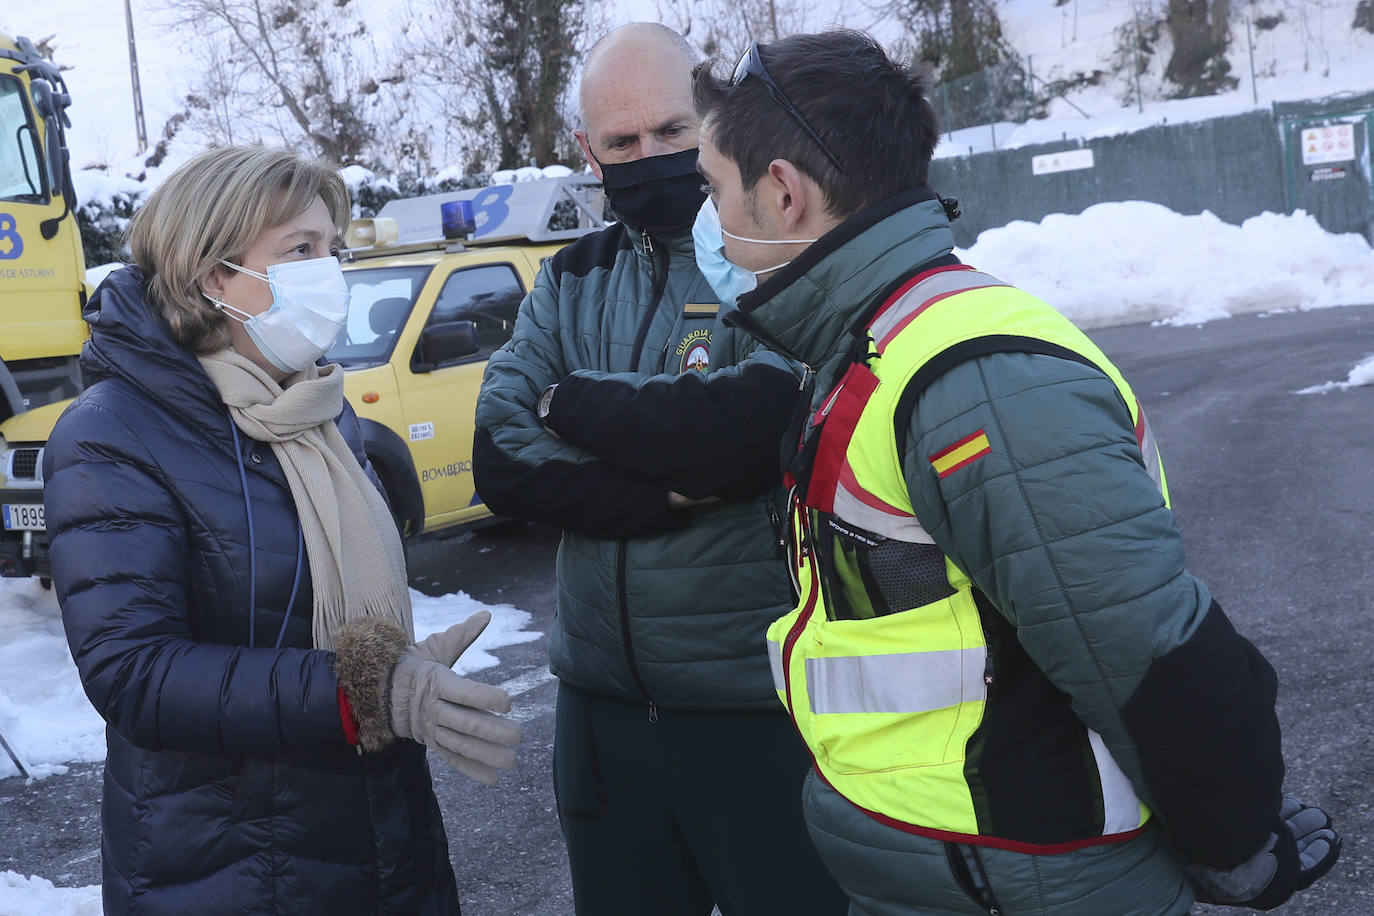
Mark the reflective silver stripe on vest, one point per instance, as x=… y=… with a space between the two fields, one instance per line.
x=898 y=527
x=1121 y=808
x=1149 y=448
x=775 y=663
x=905 y=683
x=946 y=281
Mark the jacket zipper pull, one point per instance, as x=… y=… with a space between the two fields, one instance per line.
x=989 y=669
x=653 y=712
x=776 y=522
x=648 y=242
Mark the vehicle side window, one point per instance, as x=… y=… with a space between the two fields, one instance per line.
x=488 y=296
x=20 y=175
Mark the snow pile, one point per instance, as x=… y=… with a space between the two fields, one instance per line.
x=21 y=896
x=507 y=627
x=1362 y=374
x=94 y=188
x=1123 y=262
x=45 y=715
x=529 y=173
x=98 y=273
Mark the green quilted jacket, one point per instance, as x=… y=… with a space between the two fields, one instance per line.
x=657 y=605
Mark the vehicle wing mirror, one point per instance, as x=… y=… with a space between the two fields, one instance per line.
x=444 y=343
x=54 y=155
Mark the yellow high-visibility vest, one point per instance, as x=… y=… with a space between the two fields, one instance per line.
x=887 y=701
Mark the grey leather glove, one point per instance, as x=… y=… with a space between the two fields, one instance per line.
x=1302 y=847
x=443 y=711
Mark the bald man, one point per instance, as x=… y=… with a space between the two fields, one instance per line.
x=624 y=413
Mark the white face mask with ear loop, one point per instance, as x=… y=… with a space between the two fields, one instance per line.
x=308 y=313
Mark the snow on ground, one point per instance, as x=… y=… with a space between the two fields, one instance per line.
x=21 y=896
x=1362 y=374
x=1122 y=262
x=45 y=717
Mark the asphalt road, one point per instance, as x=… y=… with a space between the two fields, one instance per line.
x=1274 y=492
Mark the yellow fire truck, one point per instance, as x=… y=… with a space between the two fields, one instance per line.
x=42 y=272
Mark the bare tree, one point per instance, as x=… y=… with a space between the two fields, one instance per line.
x=1201 y=32
x=499 y=72
x=297 y=70
x=725 y=27
x=953 y=38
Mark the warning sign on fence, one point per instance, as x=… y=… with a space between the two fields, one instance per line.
x=1333 y=143
x=1067 y=161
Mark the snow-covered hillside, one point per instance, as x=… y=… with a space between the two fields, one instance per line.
x=1311 y=52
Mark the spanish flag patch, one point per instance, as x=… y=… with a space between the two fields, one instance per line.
x=961 y=454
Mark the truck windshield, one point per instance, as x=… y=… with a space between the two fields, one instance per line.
x=20 y=178
x=381 y=302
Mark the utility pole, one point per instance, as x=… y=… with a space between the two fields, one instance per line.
x=139 y=126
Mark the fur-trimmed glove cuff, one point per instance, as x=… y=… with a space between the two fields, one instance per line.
x=365 y=654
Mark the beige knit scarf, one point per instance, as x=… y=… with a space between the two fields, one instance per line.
x=357 y=566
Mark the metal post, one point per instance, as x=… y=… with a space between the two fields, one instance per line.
x=992 y=107
x=139 y=126
x=14 y=755
x=1135 y=49
x=1250 y=40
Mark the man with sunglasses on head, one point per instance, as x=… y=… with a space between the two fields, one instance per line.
x=1017 y=697
x=623 y=413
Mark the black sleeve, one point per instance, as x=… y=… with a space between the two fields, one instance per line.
x=588 y=498
x=1214 y=768
x=700 y=437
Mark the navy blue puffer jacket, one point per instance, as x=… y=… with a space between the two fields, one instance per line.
x=229 y=784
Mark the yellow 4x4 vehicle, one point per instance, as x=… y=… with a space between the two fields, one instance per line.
x=426 y=314
x=436 y=283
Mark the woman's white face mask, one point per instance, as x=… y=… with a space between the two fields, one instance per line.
x=308 y=313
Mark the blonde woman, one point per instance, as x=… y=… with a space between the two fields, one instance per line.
x=232 y=586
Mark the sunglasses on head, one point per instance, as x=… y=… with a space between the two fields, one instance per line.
x=751 y=64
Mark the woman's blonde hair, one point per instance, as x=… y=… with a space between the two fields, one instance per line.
x=216 y=206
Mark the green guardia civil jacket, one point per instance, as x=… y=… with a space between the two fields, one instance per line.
x=656 y=605
x=1068 y=540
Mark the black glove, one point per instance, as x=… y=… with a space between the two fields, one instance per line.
x=1302 y=847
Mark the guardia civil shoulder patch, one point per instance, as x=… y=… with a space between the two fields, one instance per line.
x=961 y=454
x=694 y=351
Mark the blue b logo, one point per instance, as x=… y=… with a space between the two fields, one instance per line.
x=11 y=245
x=490 y=210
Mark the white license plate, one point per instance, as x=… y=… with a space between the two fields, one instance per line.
x=24 y=517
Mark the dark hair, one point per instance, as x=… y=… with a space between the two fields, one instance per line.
x=871 y=111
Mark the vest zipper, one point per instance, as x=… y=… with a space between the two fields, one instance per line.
x=623 y=600
x=659 y=271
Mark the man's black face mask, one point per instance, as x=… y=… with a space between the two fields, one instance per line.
x=657 y=193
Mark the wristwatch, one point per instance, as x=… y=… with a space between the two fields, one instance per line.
x=545 y=402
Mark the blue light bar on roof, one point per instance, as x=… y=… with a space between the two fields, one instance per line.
x=457 y=218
